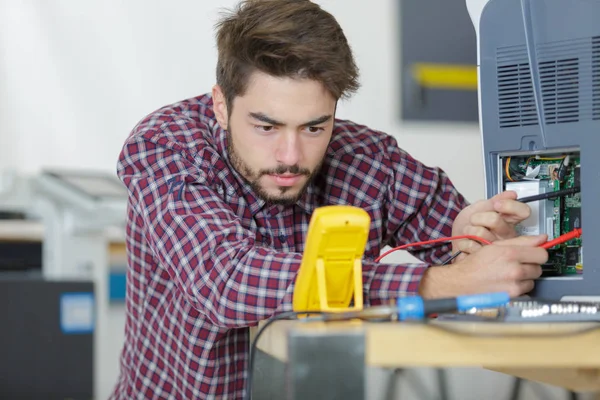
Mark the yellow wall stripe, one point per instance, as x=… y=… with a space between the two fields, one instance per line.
x=445 y=76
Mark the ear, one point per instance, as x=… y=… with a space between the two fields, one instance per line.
x=220 y=106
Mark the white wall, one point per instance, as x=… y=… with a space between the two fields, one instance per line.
x=75 y=76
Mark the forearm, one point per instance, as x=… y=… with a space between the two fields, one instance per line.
x=443 y=281
x=223 y=273
x=384 y=282
x=430 y=215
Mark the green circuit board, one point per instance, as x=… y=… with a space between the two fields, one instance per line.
x=567 y=258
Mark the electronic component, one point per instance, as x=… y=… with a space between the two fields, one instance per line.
x=544 y=311
x=550 y=195
x=541 y=219
x=330 y=275
x=572 y=256
x=574 y=218
x=549 y=183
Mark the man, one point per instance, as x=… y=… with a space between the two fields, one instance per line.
x=222 y=188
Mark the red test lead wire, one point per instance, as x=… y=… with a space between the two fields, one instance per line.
x=575 y=233
x=443 y=239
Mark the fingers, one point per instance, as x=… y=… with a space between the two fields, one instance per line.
x=480 y=231
x=524 y=249
x=470 y=246
x=506 y=195
x=499 y=215
x=522 y=287
x=535 y=255
x=532 y=271
x=494 y=222
x=527 y=241
x=488 y=205
x=524 y=272
x=512 y=211
x=521 y=278
x=460 y=257
x=467 y=246
x=520 y=254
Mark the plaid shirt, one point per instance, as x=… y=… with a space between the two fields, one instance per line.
x=208 y=258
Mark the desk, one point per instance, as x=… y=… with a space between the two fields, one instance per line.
x=33 y=231
x=332 y=357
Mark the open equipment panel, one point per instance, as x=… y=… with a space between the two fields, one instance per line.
x=535 y=174
x=539 y=115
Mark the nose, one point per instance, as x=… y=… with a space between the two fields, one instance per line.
x=288 y=149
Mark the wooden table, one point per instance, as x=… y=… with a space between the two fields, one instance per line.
x=332 y=356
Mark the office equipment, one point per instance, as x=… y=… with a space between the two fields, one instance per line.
x=20 y=256
x=77 y=209
x=330 y=276
x=539 y=114
x=46 y=338
x=536 y=310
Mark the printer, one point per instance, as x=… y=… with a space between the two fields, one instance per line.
x=538 y=65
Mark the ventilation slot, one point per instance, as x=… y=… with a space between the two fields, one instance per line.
x=569 y=72
x=560 y=90
x=516 y=101
x=596 y=77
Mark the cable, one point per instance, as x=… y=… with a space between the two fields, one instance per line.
x=443 y=239
x=290 y=315
x=575 y=233
x=401 y=309
x=529 y=199
x=448 y=261
x=507 y=170
x=378 y=312
x=372 y=313
x=562 y=169
x=550 y=195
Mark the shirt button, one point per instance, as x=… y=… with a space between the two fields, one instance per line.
x=282 y=238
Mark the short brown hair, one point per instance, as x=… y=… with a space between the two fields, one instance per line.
x=291 y=38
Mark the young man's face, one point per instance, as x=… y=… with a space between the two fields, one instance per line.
x=278 y=133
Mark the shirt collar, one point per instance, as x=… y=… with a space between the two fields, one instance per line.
x=307 y=202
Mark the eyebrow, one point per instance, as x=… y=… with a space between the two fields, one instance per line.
x=266 y=119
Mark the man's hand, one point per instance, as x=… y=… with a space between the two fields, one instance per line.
x=506 y=266
x=492 y=219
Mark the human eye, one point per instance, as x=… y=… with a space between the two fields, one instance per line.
x=264 y=128
x=314 y=130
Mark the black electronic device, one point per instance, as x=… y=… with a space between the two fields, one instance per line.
x=46 y=338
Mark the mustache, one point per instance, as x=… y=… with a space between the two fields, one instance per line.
x=282 y=169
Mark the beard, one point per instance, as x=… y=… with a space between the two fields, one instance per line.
x=252 y=177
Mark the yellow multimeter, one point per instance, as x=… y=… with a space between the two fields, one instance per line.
x=330 y=274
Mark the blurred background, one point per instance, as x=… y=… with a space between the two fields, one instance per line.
x=76 y=76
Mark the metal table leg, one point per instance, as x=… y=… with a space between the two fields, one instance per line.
x=325 y=367
x=268 y=378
